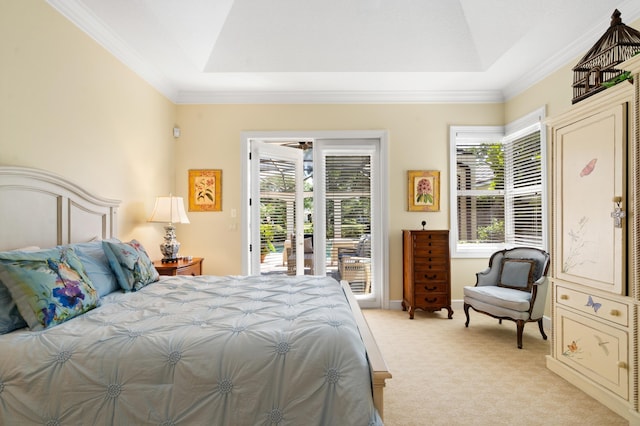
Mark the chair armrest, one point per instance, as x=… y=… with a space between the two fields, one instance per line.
x=487 y=277
x=542 y=280
x=539 y=297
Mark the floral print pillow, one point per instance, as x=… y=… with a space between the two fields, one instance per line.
x=10 y=318
x=130 y=263
x=48 y=286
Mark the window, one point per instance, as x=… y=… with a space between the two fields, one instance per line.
x=498 y=184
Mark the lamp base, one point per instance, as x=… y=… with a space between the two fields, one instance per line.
x=171 y=246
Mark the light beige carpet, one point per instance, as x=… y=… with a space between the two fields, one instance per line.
x=446 y=374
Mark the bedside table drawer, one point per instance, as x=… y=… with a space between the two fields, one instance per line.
x=191 y=270
x=181 y=267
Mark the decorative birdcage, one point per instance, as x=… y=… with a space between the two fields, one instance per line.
x=598 y=66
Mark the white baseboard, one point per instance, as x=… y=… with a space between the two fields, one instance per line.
x=395 y=305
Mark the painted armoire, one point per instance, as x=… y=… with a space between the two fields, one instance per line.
x=595 y=250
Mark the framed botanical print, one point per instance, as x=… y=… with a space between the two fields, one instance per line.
x=205 y=190
x=424 y=190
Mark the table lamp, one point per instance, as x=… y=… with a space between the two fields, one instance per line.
x=169 y=210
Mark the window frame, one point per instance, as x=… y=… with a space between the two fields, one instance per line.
x=504 y=134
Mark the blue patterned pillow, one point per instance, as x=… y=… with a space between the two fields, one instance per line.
x=10 y=318
x=96 y=264
x=131 y=264
x=48 y=286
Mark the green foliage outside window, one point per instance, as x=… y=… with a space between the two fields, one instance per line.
x=493 y=232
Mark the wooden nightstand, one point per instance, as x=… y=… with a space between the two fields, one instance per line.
x=181 y=267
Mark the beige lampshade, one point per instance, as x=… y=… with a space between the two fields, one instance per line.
x=169 y=210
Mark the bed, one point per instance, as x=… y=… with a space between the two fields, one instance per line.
x=124 y=346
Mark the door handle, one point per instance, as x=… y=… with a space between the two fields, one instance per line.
x=617 y=214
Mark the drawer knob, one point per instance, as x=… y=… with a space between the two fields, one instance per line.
x=426 y=299
x=430 y=277
x=615 y=313
x=430 y=288
x=564 y=297
x=622 y=364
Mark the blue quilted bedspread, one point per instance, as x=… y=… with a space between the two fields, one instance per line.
x=195 y=351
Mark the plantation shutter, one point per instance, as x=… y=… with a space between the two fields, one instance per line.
x=277 y=206
x=348 y=195
x=523 y=171
x=480 y=190
x=498 y=188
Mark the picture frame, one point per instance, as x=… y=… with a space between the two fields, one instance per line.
x=205 y=190
x=423 y=190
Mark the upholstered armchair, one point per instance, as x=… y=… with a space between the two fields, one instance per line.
x=354 y=265
x=513 y=287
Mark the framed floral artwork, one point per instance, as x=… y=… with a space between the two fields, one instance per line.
x=424 y=190
x=205 y=190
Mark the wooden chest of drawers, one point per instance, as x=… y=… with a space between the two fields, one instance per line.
x=426 y=271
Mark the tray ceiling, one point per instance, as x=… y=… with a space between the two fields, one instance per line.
x=230 y=51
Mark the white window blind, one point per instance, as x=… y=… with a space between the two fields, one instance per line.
x=277 y=204
x=480 y=191
x=523 y=172
x=499 y=189
x=348 y=195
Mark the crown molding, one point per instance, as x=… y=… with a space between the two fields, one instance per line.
x=83 y=18
x=339 y=97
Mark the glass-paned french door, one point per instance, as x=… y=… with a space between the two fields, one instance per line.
x=315 y=209
x=276 y=200
x=346 y=182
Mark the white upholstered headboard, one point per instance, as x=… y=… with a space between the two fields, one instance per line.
x=39 y=208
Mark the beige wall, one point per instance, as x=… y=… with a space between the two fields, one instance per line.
x=70 y=107
x=418 y=140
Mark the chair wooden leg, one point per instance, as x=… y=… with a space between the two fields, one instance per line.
x=520 y=326
x=466 y=312
x=544 y=336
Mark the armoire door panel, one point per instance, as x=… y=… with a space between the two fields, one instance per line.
x=591 y=171
x=598 y=351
